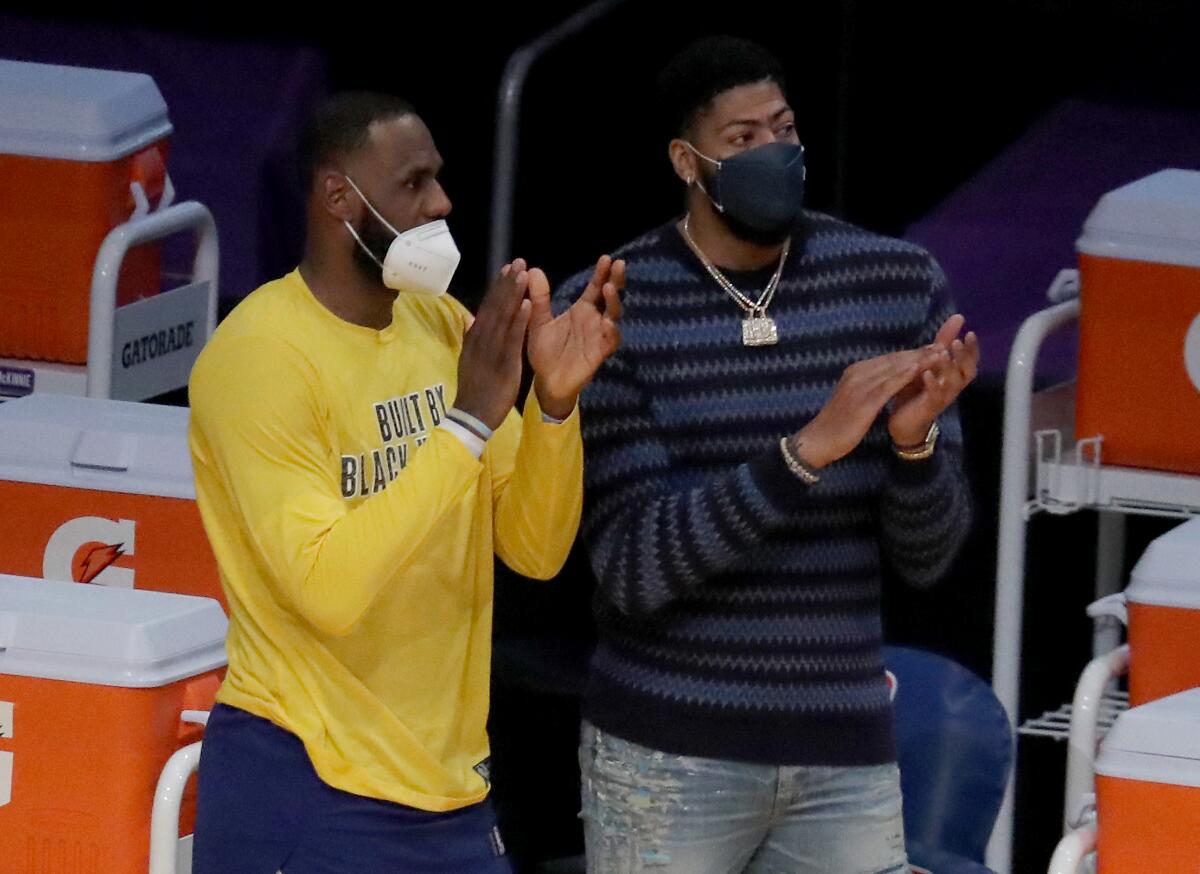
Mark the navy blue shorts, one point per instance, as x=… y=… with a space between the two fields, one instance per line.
x=262 y=808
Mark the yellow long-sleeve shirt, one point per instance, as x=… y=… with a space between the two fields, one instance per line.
x=355 y=537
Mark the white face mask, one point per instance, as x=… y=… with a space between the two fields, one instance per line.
x=421 y=260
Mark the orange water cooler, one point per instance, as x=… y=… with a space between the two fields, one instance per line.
x=1161 y=608
x=101 y=492
x=96 y=685
x=81 y=151
x=1148 y=789
x=1163 y=600
x=1139 y=325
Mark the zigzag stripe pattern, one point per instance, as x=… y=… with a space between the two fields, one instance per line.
x=738 y=609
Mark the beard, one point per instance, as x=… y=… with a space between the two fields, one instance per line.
x=378 y=240
x=741 y=230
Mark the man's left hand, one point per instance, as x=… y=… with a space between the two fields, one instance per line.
x=922 y=400
x=567 y=351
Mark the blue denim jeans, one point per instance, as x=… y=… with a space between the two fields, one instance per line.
x=654 y=812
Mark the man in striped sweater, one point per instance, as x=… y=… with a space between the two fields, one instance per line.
x=776 y=426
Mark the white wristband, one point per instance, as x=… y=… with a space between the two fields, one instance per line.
x=469 y=422
x=472 y=441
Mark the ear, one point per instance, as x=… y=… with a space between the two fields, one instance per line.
x=684 y=161
x=335 y=195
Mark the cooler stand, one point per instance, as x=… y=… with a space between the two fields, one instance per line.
x=1075 y=853
x=169 y=853
x=121 y=338
x=1039 y=475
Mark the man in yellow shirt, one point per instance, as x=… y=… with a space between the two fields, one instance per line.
x=358 y=463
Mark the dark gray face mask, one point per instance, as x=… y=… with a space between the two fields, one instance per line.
x=761 y=189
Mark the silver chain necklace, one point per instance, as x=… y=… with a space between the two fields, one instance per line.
x=758 y=329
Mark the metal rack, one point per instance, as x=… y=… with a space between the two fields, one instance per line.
x=1056 y=724
x=1045 y=469
x=110 y=371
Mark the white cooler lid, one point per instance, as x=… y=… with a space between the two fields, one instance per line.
x=91 y=443
x=1153 y=219
x=1158 y=742
x=79 y=114
x=132 y=638
x=1168 y=573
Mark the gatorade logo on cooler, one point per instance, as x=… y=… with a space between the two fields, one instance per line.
x=1191 y=352
x=85 y=550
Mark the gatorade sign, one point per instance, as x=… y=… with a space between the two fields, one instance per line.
x=86 y=550
x=157 y=340
x=115 y=539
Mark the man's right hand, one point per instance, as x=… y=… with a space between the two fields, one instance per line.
x=860 y=396
x=489 y=367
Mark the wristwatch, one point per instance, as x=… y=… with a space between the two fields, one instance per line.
x=919 y=451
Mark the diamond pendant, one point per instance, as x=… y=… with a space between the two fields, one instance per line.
x=759 y=331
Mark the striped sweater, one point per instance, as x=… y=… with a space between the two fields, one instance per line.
x=738 y=609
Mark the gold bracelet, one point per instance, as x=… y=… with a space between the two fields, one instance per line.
x=922 y=450
x=798 y=468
